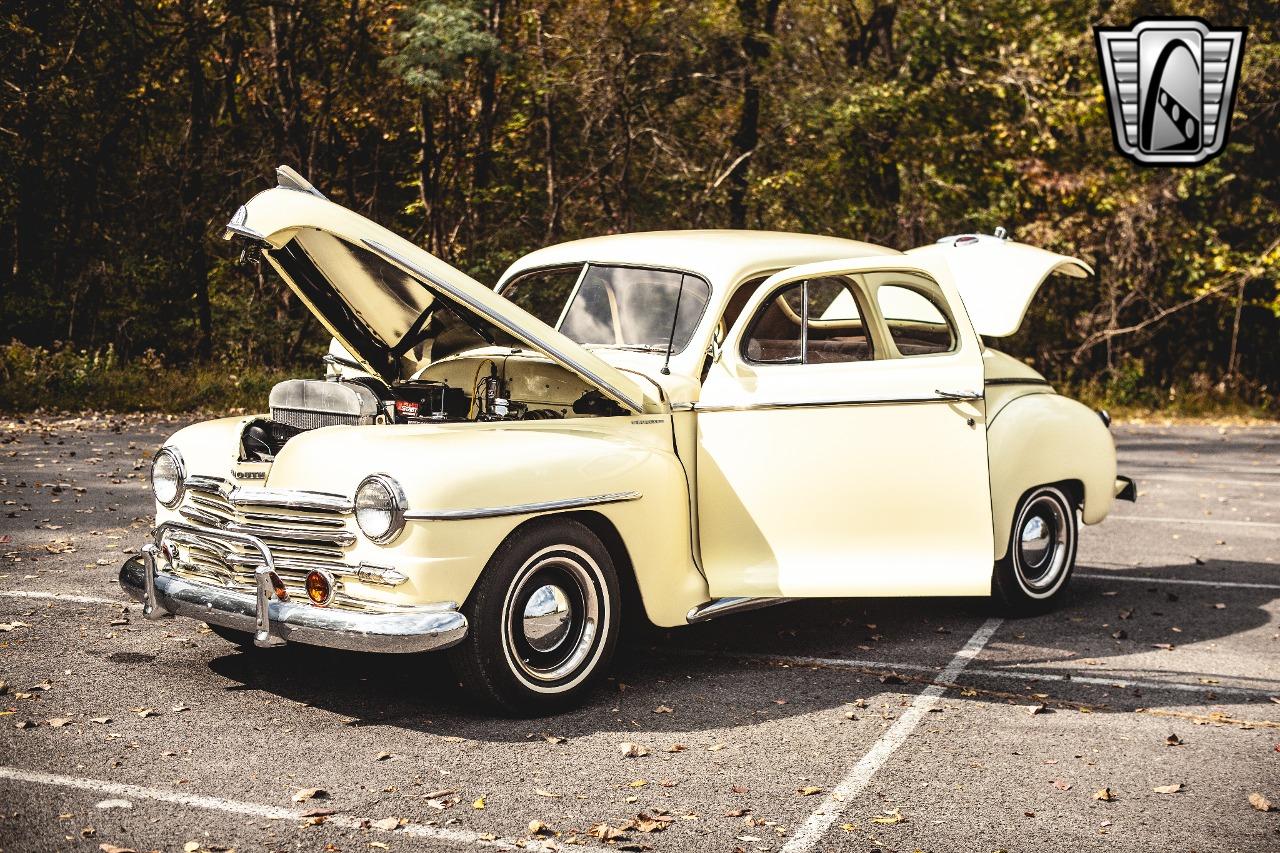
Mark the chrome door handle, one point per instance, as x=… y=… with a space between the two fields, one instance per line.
x=958 y=395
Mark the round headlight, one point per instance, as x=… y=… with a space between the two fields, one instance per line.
x=380 y=508
x=167 y=474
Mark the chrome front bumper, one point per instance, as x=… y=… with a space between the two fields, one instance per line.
x=274 y=622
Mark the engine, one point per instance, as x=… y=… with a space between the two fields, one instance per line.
x=465 y=389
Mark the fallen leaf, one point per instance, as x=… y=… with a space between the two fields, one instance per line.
x=740 y=789
x=1037 y=708
x=24 y=724
x=1168 y=789
x=191 y=847
x=113 y=804
x=1168 y=647
x=889 y=818
x=632 y=750
x=387 y=823
x=59 y=722
x=1104 y=794
x=677 y=747
x=382 y=756
x=737 y=812
x=319 y=813
x=145 y=712
x=1062 y=784
x=1260 y=802
x=646 y=822
x=637 y=783
x=715 y=747
x=310 y=794
x=6 y=627
x=604 y=832
x=809 y=790
x=541 y=793
x=111 y=848
x=537 y=827
x=180 y=707
x=102 y=721
x=549 y=738
x=478 y=804
x=1174 y=740
x=663 y=709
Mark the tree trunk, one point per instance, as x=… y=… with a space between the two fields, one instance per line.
x=196 y=263
x=757 y=29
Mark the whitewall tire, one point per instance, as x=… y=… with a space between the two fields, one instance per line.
x=543 y=620
x=1034 y=573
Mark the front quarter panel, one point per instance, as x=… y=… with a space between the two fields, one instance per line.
x=1042 y=438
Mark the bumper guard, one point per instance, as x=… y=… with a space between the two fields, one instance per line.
x=274 y=622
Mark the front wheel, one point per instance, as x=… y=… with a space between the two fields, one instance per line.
x=543 y=620
x=1042 y=552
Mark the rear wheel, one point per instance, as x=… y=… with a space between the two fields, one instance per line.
x=542 y=620
x=1042 y=552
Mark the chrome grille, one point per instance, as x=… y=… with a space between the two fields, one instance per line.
x=303 y=530
x=305 y=419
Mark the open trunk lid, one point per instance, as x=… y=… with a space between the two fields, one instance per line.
x=997 y=277
x=380 y=295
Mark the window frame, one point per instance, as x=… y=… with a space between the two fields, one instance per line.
x=582 y=274
x=928 y=289
x=855 y=289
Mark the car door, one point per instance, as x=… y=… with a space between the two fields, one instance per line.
x=842 y=441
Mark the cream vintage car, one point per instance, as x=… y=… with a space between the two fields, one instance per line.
x=682 y=424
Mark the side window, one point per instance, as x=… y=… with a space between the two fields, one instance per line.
x=777 y=334
x=916 y=323
x=818 y=321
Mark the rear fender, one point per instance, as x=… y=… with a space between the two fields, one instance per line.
x=1042 y=438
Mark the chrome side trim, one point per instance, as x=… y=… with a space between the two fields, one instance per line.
x=724 y=606
x=400 y=260
x=817 y=404
x=519 y=509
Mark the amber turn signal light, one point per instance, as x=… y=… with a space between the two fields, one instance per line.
x=319 y=587
x=277 y=586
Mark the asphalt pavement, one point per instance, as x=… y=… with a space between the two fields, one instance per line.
x=1140 y=716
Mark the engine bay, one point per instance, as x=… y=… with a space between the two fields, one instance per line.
x=500 y=385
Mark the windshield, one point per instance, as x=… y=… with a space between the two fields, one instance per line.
x=611 y=306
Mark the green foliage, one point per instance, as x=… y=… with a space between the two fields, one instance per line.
x=63 y=379
x=486 y=129
x=436 y=41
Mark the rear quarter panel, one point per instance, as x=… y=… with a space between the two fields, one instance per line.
x=1036 y=437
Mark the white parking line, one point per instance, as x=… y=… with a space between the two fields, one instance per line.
x=1168 y=519
x=812 y=830
x=61 y=596
x=1020 y=675
x=1095 y=576
x=239 y=807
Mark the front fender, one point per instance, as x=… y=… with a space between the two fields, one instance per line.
x=1042 y=438
x=447 y=469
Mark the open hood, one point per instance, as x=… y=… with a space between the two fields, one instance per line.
x=997 y=277
x=381 y=296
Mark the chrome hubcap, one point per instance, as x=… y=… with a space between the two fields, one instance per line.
x=553 y=613
x=1035 y=540
x=1043 y=543
x=547 y=618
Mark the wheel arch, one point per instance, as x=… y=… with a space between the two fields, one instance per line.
x=634 y=603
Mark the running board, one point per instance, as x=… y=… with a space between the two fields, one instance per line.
x=724 y=606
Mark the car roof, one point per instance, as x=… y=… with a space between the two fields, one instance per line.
x=722 y=256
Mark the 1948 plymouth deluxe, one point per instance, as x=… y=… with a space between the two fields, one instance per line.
x=693 y=422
